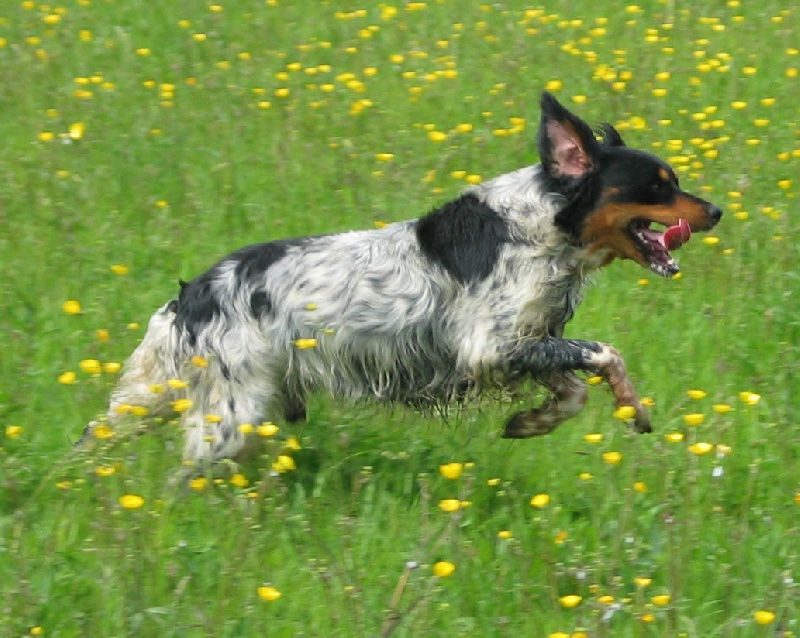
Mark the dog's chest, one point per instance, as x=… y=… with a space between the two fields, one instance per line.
x=550 y=302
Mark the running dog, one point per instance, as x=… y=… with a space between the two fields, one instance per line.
x=422 y=312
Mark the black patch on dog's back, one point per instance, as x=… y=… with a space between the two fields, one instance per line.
x=197 y=305
x=464 y=237
x=256 y=259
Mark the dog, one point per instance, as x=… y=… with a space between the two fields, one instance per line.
x=422 y=312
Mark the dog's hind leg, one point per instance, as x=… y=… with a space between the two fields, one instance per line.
x=568 y=396
x=223 y=399
x=142 y=387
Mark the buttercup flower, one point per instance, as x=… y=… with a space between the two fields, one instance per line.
x=570 y=601
x=693 y=419
x=13 y=431
x=450 y=505
x=72 y=307
x=763 y=617
x=181 y=405
x=90 y=366
x=283 y=464
x=700 y=448
x=443 y=569
x=268 y=593
x=131 y=501
x=540 y=500
x=267 y=429
x=451 y=470
x=625 y=412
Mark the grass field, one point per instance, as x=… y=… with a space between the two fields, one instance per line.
x=142 y=141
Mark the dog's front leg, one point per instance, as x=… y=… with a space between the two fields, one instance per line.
x=554 y=360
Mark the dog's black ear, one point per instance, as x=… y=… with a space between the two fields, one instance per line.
x=610 y=135
x=567 y=145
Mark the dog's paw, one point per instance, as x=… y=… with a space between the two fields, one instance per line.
x=641 y=422
x=528 y=423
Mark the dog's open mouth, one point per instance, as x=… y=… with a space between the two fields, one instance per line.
x=655 y=245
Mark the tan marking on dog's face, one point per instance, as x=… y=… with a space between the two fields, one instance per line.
x=608 y=227
x=664 y=175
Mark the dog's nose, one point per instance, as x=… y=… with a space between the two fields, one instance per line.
x=714 y=212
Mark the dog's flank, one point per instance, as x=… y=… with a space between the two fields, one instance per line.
x=421 y=311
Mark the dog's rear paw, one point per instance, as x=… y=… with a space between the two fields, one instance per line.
x=524 y=425
x=87 y=434
x=641 y=422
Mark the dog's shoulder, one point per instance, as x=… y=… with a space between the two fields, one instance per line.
x=464 y=237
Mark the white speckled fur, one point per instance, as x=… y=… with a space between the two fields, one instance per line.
x=388 y=323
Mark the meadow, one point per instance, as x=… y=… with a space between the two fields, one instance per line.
x=142 y=141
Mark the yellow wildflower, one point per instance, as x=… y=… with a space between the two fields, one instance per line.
x=451 y=470
x=450 y=505
x=443 y=569
x=763 y=617
x=76 y=130
x=700 y=448
x=90 y=366
x=102 y=431
x=72 y=307
x=181 y=405
x=693 y=419
x=67 y=378
x=267 y=429
x=750 y=398
x=284 y=464
x=571 y=600
x=268 y=593
x=540 y=500
x=131 y=501
x=625 y=412
x=612 y=458
x=198 y=484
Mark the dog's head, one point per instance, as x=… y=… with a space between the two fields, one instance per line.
x=616 y=194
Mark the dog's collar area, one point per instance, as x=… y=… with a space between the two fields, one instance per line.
x=655 y=245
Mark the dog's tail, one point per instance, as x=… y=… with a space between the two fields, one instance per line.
x=143 y=389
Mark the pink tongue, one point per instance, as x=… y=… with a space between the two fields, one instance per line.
x=677 y=235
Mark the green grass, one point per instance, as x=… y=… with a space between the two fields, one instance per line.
x=188 y=153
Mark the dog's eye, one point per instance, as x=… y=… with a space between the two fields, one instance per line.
x=659 y=186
